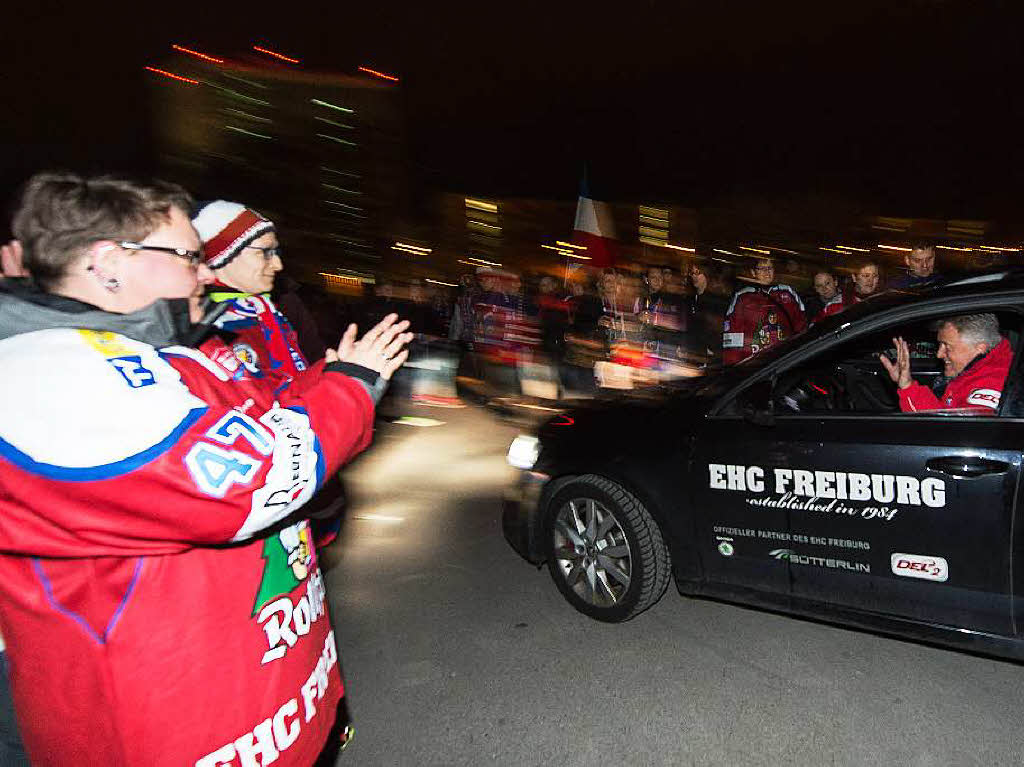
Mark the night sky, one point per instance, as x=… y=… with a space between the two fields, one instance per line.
x=915 y=110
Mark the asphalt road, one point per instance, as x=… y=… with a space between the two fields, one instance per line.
x=457 y=652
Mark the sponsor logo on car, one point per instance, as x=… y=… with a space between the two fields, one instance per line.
x=920 y=566
x=830 y=562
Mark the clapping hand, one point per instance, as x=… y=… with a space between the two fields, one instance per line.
x=381 y=348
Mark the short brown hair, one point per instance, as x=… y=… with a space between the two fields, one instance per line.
x=859 y=263
x=61 y=214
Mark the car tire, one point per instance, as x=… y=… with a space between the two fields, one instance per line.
x=605 y=552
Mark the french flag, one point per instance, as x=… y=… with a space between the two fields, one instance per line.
x=594 y=228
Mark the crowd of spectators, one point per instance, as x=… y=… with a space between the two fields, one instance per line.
x=586 y=328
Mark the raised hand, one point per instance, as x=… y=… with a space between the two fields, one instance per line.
x=899 y=371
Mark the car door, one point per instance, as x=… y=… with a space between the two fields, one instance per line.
x=905 y=515
x=911 y=517
x=735 y=535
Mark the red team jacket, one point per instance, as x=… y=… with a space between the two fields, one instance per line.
x=758 y=317
x=156 y=608
x=978 y=388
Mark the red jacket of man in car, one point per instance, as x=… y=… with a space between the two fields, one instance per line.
x=979 y=387
x=758 y=317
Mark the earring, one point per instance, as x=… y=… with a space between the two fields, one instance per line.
x=112 y=284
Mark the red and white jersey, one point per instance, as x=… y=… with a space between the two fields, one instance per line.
x=977 y=390
x=758 y=317
x=265 y=341
x=156 y=609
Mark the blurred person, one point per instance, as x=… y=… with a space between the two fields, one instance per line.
x=658 y=307
x=707 y=307
x=387 y=299
x=553 y=315
x=760 y=315
x=159 y=592
x=618 y=292
x=608 y=290
x=460 y=328
x=504 y=332
x=419 y=311
x=429 y=375
x=291 y=303
x=921 y=272
x=676 y=284
x=976 y=360
x=441 y=305
x=585 y=306
x=585 y=339
x=662 y=315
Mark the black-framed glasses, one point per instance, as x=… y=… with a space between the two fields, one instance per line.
x=268 y=253
x=194 y=257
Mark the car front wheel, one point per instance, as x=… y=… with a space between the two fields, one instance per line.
x=605 y=552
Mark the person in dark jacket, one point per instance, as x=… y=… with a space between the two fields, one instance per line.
x=921 y=272
x=706 y=308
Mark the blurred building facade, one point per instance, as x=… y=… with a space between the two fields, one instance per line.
x=323 y=155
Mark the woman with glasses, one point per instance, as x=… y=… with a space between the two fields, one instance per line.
x=160 y=596
x=761 y=314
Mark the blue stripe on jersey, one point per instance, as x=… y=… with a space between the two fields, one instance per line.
x=105 y=471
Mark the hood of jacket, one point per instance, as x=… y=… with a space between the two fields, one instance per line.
x=24 y=309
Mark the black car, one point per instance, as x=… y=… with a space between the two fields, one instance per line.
x=793 y=482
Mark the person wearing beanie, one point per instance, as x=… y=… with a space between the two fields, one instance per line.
x=242 y=250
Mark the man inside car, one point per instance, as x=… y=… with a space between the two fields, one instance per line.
x=976 y=361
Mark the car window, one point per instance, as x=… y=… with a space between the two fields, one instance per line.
x=848 y=378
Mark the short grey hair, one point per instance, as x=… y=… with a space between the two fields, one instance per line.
x=977 y=328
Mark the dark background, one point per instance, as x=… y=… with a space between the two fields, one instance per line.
x=911 y=107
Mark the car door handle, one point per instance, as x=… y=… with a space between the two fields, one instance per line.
x=966 y=466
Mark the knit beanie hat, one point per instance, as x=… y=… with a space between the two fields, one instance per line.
x=227 y=227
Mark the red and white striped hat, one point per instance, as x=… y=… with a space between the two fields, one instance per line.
x=227 y=227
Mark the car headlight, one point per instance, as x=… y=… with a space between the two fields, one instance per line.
x=523 y=451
